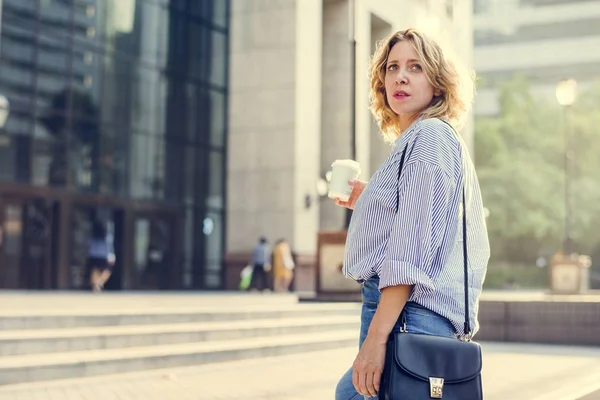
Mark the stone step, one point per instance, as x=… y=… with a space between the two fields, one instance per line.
x=32 y=368
x=55 y=300
x=40 y=341
x=72 y=318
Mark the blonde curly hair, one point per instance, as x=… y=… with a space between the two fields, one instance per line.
x=456 y=86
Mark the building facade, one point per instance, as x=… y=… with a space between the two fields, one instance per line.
x=291 y=110
x=113 y=111
x=543 y=40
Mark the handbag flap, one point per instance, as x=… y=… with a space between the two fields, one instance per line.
x=425 y=356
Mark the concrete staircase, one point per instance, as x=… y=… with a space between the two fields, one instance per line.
x=47 y=344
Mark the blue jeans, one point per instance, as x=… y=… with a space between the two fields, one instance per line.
x=418 y=320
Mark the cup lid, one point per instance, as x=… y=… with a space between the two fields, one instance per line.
x=347 y=163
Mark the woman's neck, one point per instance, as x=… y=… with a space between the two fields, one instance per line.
x=406 y=120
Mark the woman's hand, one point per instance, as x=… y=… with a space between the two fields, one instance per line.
x=368 y=366
x=370 y=360
x=357 y=189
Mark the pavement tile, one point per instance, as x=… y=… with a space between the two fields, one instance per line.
x=516 y=372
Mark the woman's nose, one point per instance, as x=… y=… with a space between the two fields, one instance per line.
x=401 y=78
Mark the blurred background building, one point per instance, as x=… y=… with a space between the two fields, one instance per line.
x=537 y=135
x=113 y=110
x=543 y=41
x=192 y=127
x=292 y=110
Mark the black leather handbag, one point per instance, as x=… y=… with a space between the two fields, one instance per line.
x=419 y=367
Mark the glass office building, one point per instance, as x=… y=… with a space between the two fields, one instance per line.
x=113 y=111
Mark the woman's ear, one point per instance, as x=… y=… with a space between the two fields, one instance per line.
x=437 y=92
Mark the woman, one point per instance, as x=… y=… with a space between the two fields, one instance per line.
x=283 y=266
x=101 y=257
x=404 y=241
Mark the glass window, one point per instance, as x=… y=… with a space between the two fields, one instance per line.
x=26 y=7
x=55 y=19
x=91 y=24
x=50 y=156
x=206 y=113
x=84 y=154
x=174 y=109
x=218 y=55
x=209 y=188
x=162 y=104
x=17 y=43
x=156 y=167
x=53 y=93
x=214 y=11
x=117 y=85
x=218 y=115
x=144 y=104
x=162 y=36
x=138 y=182
x=220 y=12
x=88 y=73
x=143 y=161
x=53 y=54
x=122 y=34
x=112 y=162
x=176 y=4
x=176 y=53
x=192 y=178
x=15 y=148
x=20 y=14
x=214 y=196
x=198 y=51
x=201 y=8
x=16 y=84
x=175 y=163
x=207 y=54
x=16 y=71
x=52 y=76
x=212 y=232
x=18 y=123
x=153 y=24
x=197 y=112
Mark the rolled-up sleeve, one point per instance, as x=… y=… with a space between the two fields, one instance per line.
x=416 y=235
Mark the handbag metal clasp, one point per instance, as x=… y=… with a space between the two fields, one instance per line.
x=436 y=387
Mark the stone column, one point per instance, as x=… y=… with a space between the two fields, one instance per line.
x=274 y=126
x=336 y=123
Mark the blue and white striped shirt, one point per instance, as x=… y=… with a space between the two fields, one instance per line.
x=407 y=229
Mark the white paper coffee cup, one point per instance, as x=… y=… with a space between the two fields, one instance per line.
x=341 y=172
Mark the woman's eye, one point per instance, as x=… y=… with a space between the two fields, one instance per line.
x=416 y=67
x=392 y=67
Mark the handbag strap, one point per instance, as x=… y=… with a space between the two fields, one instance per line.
x=467 y=325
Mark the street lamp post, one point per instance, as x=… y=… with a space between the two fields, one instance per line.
x=566 y=93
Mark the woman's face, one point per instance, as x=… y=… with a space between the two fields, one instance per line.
x=407 y=89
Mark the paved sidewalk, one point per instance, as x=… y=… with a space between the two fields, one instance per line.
x=516 y=372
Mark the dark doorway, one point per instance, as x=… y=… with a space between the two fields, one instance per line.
x=154 y=251
x=27 y=244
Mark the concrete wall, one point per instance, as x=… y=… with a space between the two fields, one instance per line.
x=336 y=117
x=262 y=109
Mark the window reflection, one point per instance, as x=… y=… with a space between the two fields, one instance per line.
x=121 y=97
x=218 y=59
x=17 y=52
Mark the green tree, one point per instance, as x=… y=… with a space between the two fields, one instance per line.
x=520 y=163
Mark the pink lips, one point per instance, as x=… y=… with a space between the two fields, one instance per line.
x=401 y=94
